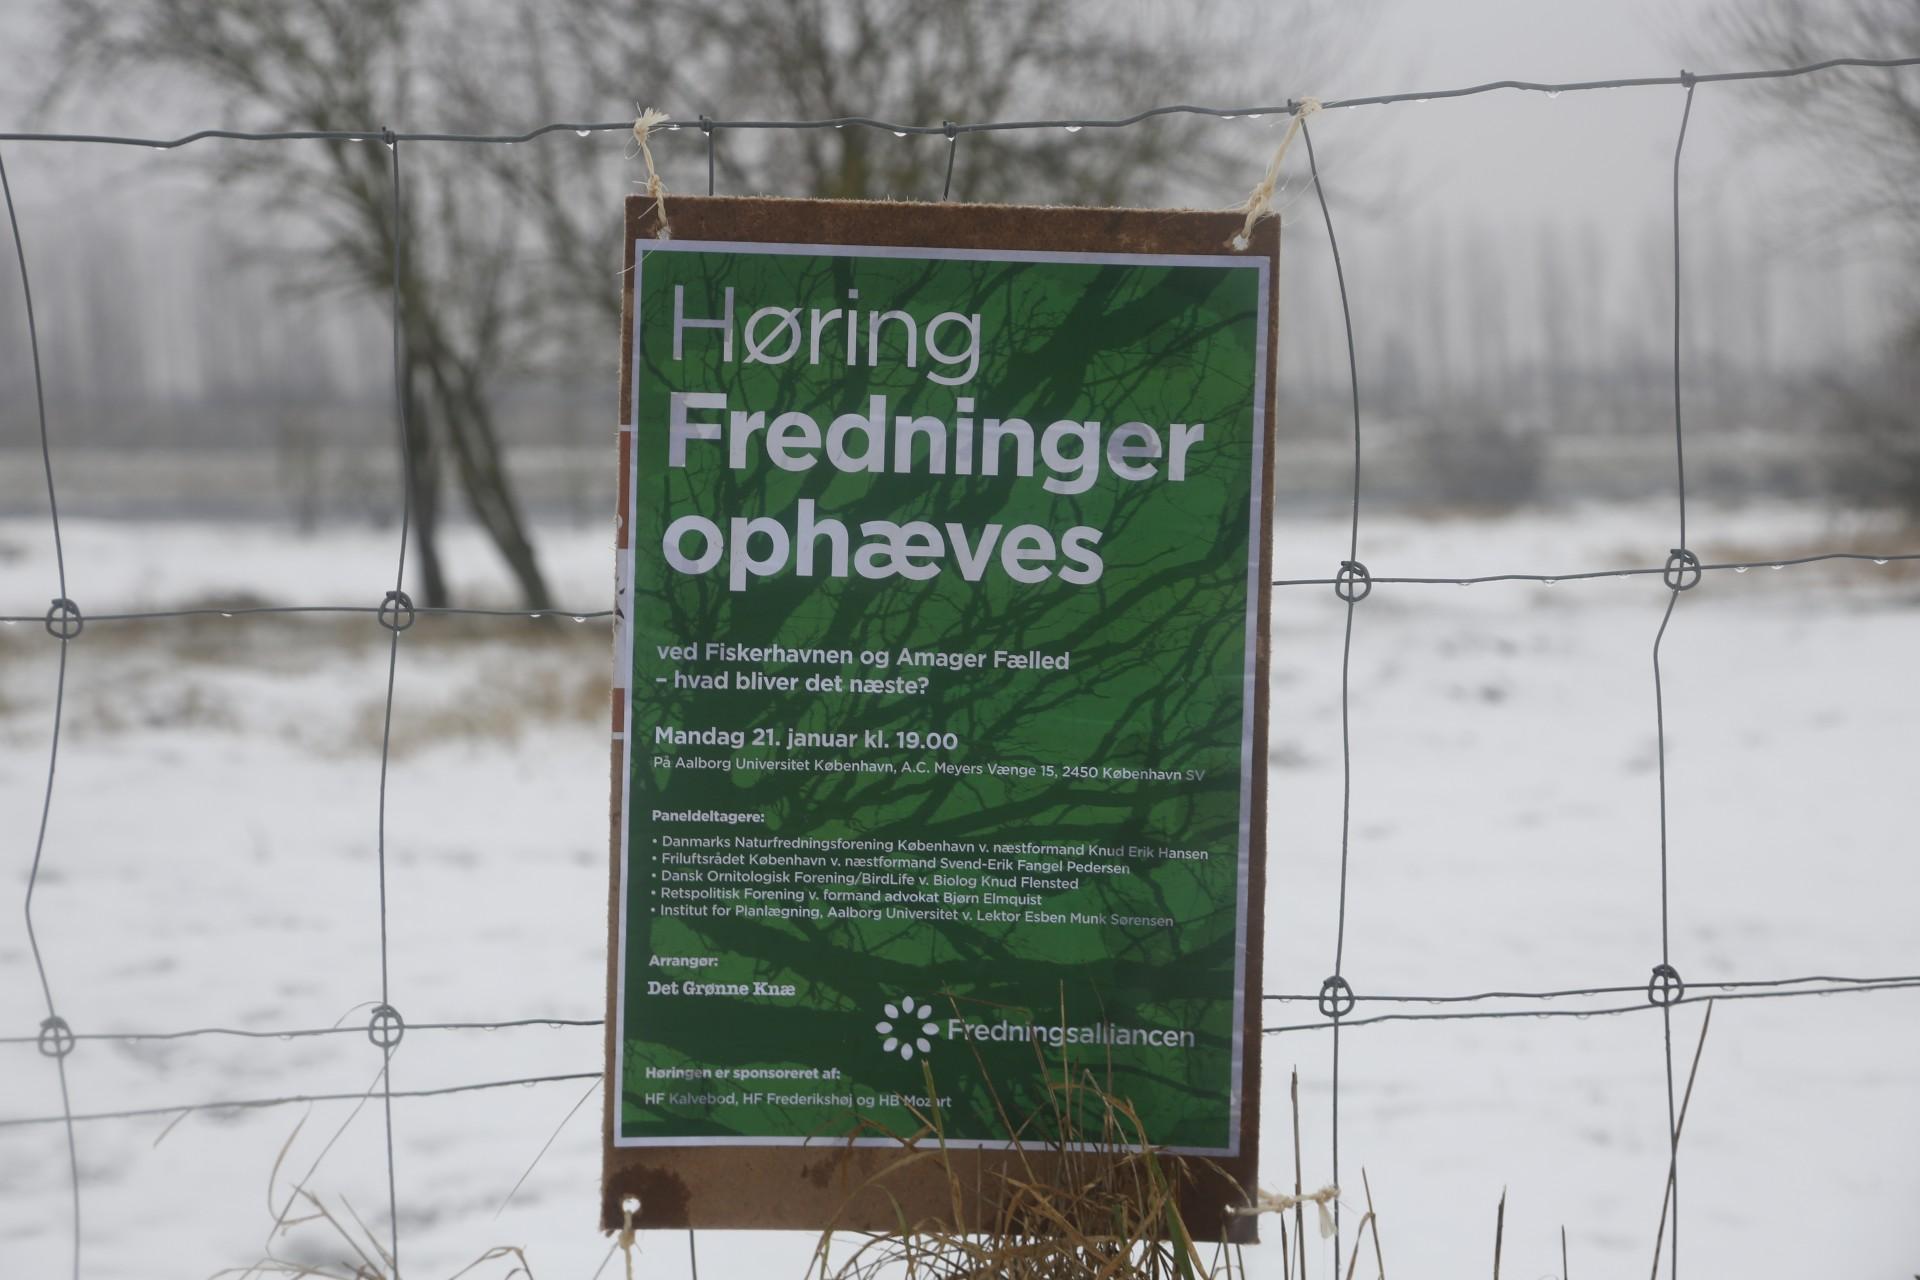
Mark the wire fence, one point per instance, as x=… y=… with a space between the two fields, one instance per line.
x=1336 y=1002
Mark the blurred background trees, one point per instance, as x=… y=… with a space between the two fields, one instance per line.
x=1866 y=185
x=511 y=254
x=220 y=311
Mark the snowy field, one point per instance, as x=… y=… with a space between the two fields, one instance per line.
x=210 y=862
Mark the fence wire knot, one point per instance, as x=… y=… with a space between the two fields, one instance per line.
x=1353 y=583
x=1665 y=987
x=386 y=1027
x=1336 y=998
x=56 y=1037
x=396 y=611
x=64 y=620
x=1682 y=572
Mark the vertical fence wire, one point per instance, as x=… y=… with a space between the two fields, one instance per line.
x=387 y=1036
x=63 y=622
x=1352 y=587
x=1682 y=575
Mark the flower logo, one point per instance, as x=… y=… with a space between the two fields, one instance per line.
x=898 y=1029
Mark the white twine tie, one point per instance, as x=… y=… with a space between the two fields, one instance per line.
x=1261 y=197
x=643 y=126
x=630 y=1205
x=1276 y=1202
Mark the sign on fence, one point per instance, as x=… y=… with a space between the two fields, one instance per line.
x=939 y=714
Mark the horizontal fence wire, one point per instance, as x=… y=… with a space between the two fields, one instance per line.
x=65 y=622
x=1697 y=993
x=295 y=1099
x=1472 y=1015
x=243 y=611
x=1836 y=983
x=949 y=128
x=303 y=1033
x=589 y=615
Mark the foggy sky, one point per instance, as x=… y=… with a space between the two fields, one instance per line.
x=1445 y=209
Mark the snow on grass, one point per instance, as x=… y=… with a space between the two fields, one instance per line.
x=211 y=861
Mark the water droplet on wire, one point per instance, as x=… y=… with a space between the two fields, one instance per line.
x=1879 y=561
x=1741 y=568
x=1552 y=94
x=1074 y=128
x=582 y=132
x=899 y=133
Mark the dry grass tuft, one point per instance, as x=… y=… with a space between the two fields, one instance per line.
x=1083 y=1195
x=330 y=1249
x=1093 y=1198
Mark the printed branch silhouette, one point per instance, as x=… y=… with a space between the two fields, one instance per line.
x=1106 y=349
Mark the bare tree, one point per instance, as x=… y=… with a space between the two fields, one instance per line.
x=342 y=65
x=1866 y=121
x=1866 y=124
x=911 y=61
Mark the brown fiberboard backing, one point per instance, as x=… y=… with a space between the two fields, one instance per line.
x=857 y=1188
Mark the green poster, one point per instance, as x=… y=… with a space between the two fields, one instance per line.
x=939 y=620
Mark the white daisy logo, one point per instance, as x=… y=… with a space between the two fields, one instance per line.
x=901 y=1034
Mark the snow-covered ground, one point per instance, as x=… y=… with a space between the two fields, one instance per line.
x=210 y=861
